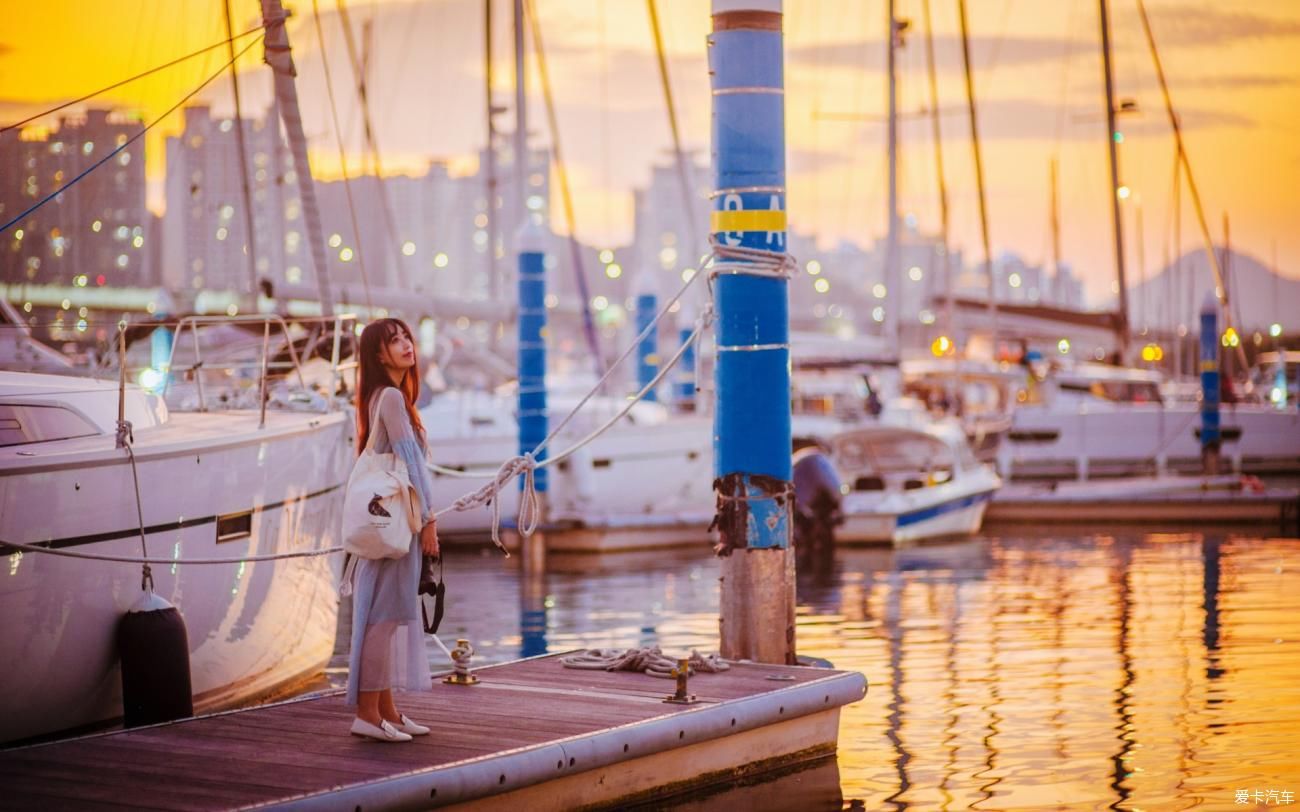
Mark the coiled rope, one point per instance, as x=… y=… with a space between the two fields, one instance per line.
x=649 y=659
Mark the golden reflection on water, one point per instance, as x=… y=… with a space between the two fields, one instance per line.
x=1155 y=672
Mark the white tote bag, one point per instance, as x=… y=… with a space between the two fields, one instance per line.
x=379 y=509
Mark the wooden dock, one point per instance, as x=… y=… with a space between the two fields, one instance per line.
x=531 y=735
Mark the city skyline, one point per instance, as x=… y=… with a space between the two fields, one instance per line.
x=601 y=58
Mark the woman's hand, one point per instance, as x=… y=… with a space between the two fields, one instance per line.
x=429 y=539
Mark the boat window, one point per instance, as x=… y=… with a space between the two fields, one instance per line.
x=897 y=454
x=1126 y=391
x=23 y=423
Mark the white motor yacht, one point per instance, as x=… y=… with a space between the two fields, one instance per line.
x=1094 y=420
x=212 y=484
x=905 y=483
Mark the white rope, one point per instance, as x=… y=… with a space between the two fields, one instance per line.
x=130 y=559
x=649 y=659
x=706 y=317
x=748 y=261
x=529 y=508
x=526 y=464
x=737 y=259
x=663 y=311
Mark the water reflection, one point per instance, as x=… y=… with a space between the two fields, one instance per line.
x=1150 y=671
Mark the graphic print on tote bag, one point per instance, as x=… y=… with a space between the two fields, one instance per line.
x=376 y=509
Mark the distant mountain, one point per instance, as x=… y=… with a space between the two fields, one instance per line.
x=1258 y=296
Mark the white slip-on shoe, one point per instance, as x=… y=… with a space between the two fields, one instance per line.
x=411 y=728
x=385 y=732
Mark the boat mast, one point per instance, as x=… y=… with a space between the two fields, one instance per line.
x=521 y=121
x=938 y=163
x=893 y=316
x=979 y=178
x=1208 y=244
x=1121 y=316
x=490 y=169
x=276 y=45
x=251 y=243
x=1056 y=232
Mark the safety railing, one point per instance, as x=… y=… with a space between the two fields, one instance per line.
x=339 y=325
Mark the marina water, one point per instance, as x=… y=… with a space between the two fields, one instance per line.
x=1133 y=671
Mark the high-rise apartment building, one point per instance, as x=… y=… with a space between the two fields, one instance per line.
x=95 y=232
x=205 y=233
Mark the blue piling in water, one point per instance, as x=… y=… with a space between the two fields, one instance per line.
x=647 y=351
x=684 y=379
x=532 y=347
x=752 y=371
x=1210 y=386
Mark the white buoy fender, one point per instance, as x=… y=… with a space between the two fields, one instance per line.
x=155 y=652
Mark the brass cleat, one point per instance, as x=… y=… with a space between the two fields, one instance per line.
x=460 y=657
x=680 y=673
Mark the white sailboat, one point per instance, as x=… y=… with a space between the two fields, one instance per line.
x=267 y=484
x=651 y=472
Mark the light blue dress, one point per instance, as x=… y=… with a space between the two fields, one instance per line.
x=387 y=634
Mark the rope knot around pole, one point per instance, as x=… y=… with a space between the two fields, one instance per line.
x=529 y=506
x=735 y=259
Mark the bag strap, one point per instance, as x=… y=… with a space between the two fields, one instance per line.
x=373 y=408
x=439 y=593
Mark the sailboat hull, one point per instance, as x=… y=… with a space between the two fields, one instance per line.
x=211 y=485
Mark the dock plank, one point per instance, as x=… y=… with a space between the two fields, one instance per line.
x=301 y=748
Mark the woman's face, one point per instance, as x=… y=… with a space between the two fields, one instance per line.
x=399 y=352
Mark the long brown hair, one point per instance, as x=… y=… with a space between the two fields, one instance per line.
x=372 y=377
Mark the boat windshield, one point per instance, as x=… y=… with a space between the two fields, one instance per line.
x=1116 y=391
x=1277 y=378
x=887 y=454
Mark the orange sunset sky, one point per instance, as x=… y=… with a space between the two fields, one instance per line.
x=1234 y=70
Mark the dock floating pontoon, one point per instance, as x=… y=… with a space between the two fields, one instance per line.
x=532 y=735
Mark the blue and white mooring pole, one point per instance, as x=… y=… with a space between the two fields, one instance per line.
x=1210 y=439
x=752 y=449
x=647 y=350
x=532 y=346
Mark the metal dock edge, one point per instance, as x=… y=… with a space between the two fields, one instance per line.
x=793 y=723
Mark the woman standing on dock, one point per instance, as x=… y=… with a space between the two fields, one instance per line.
x=387 y=636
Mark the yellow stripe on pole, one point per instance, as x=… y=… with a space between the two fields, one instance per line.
x=756 y=220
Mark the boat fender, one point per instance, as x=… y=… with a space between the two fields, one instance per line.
x=155 y=652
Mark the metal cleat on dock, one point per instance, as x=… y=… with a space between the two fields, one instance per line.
x=460 y=657
x=681 y=673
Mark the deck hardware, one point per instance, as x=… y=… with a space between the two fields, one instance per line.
x=680 y=673
x=780 y=677
x=460 y=657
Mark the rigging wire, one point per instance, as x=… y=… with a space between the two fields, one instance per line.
x=605 y=158
x=367 y=128
x=125 y=143
x=979 y=173
x=243 y=161
x=343 y=158
x=115 y=85
x=1221 y=288
x=588 y=325
x=1063 y=96
x=937 y=130
x=683 y=173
